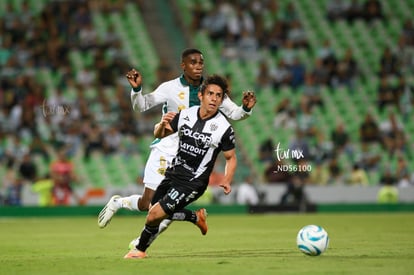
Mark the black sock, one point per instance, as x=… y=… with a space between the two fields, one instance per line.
x=184 y=215
x=147 y=236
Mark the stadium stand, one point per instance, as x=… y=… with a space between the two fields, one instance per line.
x=123 y=22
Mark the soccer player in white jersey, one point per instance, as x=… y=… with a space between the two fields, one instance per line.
x=175 y=95
x=204 y=132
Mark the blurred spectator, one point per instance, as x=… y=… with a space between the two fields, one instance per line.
x=266 y=150
x=358 y=176
x=230 y=50
x=295 y=193
x=319 y=174
x=336 y=9
x=37 y=146
x=391 y=130
x=372 y=10
x=403 y=173
x=198 y=13
x=300 y=142
x=248 y=46
x=405 y=96
x=369 y=157
x=112 y=140
x=297 y=35
x=43 y=187
x=281 y=74
x=389 y=65
x=28 y=169
x=247 y=193
x=276 y=172
x=288 y=13
x=86 y=77
x=386 y=94
x=387 y=177
x=353 y=11
x=215 y=22
x=63 y=175
x=276 y=38
x=405 y=55
x=263 y=76
x=320 y=73
x=307 y=122
x=340 y=140
x=240 y=21
x=297 y=72
x=408 y=31
x=285 y=115
x=369 y=131
x=322 y=148
x=12 y=185
x=93 y=139
x=346 y=71
x=312 y=90
x=335 y=171
x=388 y=193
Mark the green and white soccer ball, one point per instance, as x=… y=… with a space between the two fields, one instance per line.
x=312 y=240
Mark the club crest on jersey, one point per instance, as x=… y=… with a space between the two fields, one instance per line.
x=213 y=127
x=181 y=95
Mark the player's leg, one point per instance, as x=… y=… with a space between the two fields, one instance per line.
x=153 y=175
x=155 y=215
x=198 y=217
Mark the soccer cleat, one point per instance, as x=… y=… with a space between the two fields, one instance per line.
x=135 y=254
x=108 y=212
x=201 y=220
x=133 y=244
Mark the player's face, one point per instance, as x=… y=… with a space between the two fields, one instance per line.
x=193 y=66
x=211 y=99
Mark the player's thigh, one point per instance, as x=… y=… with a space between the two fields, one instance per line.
x=176 y=197
x=155 y=168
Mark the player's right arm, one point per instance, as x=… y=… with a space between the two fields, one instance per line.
x=139 y=101
x=164 y=127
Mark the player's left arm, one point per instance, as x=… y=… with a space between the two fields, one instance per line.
x=229 y=152
x=235 y=112
x=230 y=170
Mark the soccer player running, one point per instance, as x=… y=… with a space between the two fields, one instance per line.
x=204 y=132
x=175 y=95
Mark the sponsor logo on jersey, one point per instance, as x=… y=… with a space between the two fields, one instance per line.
x=201 y=139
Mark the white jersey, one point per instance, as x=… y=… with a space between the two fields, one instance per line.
x=176 y=95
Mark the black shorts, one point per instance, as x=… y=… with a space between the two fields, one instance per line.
x=174 y=195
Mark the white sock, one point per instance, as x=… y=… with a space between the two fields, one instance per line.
x=130 y=202
x=164 y=225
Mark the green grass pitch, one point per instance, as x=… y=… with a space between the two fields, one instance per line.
x=235 y=244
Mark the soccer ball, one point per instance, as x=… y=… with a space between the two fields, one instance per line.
x=312 y=240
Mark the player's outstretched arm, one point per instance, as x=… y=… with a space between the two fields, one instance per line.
x=145 y=102
x=230 y=169
x=235 y=112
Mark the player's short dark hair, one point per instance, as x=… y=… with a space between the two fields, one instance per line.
x=217 y=80
x=187 y=52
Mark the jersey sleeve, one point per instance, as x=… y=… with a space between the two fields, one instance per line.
x=232 y=111
x=145 y=102
x=228 y=141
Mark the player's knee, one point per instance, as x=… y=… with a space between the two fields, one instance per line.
x=155 y=215
x=143 y=204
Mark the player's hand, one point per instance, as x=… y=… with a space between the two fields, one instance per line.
x=249 y=99
x=226 y=188
x=166 y=118
x=134 y=78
